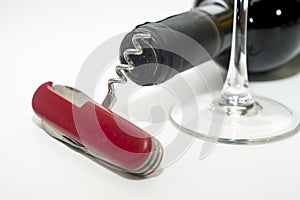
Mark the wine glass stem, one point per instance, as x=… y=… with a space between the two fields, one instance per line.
x=236 y=88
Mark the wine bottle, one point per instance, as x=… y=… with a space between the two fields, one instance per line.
x=273 y=38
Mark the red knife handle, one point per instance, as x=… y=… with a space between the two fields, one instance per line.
x=101 y=131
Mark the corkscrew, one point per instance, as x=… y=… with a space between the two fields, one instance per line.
x=73 y=118
x=110 y=98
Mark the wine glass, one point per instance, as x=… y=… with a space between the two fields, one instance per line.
x=243 y=119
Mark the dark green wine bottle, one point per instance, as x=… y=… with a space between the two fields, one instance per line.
x=273 y=38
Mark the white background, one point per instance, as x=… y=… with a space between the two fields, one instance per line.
x=49 y=40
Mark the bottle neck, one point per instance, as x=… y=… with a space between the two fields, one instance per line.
x=222 y=12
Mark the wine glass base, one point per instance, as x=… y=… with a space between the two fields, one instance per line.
x=274 y=122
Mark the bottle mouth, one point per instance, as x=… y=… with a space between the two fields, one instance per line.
x=149 y=66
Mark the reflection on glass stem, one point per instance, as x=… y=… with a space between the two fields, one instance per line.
x=236 y=98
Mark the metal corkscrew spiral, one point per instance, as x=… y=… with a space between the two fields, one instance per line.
x=110 y=98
